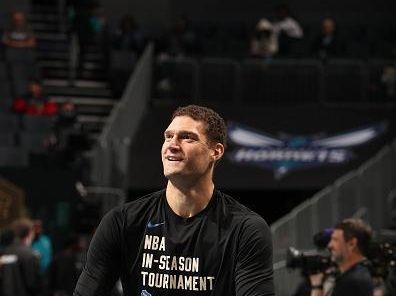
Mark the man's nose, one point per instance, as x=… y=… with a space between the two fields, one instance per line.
x=174 y=142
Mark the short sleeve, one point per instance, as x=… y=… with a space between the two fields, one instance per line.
x=254 y=269
x=102 y=267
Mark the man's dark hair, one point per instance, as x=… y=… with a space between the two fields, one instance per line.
x=215 y=126
x=22 y=227
x=357 y=228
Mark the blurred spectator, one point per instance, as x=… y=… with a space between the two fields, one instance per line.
x=263 y=43
x=128 y=35
x=388 y=80
x=287 y=29
x=69 y=140
x=87 y=24
x=22 y=277
x=19 y=35
x=67 y=266
x=328 y=43
x=67 y=116
x=42 y=245
x=65 y=125
x=35 y=102
x=180 y=41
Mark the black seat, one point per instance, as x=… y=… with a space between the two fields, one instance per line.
x=281 y=81
x=344 y=81
x=40 y=124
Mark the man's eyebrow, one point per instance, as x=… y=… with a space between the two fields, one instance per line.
x=182 y=132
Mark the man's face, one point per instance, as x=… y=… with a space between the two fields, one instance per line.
x=35 y=89
x=186 y=151
x=338 y=246
x=328 y=26
x=18 y=19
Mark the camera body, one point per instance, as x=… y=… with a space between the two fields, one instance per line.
x=309 y=262
x=381 y=255
x=382 y=258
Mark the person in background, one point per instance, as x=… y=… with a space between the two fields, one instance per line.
x=349 y=244
x=35 y=102
x=67 y=267
x=328 y=44
x=21 y=278
x=19 y=35
x=263 y=44
x=42 y=245
x=180 y=41
x=128 y=36
x=287 y=29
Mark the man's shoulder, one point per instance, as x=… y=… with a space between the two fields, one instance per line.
x=239 y=210
x=22 y=251
x=143 y=203
x=145 y=200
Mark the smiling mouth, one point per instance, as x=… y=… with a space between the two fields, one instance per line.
x=172 y=158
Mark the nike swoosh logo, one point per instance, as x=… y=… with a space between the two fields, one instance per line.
x=151 y=225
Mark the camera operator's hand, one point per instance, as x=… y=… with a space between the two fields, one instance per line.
x=316 y=280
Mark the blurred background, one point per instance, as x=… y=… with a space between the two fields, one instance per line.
x=308 y=90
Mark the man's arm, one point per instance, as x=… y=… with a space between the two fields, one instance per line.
x=316 y=280
x=254 y=270
x=30 y=42
x=102 y=268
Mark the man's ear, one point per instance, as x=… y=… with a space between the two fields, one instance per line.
x=352 y=243
x=218 y=151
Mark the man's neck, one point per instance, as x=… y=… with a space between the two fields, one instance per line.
x=189 y=200
x=351 y=262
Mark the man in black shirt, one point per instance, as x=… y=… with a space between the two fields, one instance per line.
x=188 y=239
x=348 y=245
x=21 y=276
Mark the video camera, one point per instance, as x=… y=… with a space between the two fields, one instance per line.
x=311 y=261
x=382 y=254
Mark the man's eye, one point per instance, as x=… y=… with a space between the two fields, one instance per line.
x=188 y=137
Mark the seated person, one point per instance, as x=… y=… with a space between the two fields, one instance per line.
x=35 y=102
x=180 y=41
x=129 y=36
x=19 y=35
x=263 y=43
x=328 y=43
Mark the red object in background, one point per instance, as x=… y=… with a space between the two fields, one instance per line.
x=20 y=105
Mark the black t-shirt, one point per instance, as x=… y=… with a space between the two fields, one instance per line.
x=226 y=249
x=355 y=281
